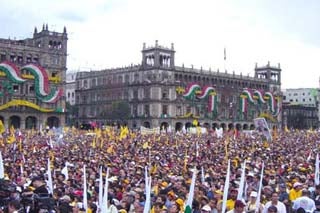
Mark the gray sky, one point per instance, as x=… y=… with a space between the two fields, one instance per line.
x=110 y=33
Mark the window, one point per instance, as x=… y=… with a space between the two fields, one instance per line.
x=146 y=110
x=68 y=94
x=135 y=94
x=2 y=57
x=13 y=58
x=188 y=109
x=31 y=89
x=179 y=111
x=165 y=109
x=146 y=93
x=165 y=94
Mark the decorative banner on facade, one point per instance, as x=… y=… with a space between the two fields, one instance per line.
x=257 y=97
x=191 y=90
x=194 y=91
x=24 y=103
x=257 y=94
x=12 y=72
x=41 y=80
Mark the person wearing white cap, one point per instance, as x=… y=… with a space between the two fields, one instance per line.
x=251 y=206
x=206 y=208
x=296 y=191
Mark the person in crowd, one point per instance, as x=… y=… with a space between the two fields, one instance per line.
x=304 y=202
x=281 y=208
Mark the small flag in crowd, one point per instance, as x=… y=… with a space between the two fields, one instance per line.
x=1 y=167
x=188 y=208
x=2 y=128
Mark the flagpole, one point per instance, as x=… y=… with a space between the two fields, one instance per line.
x=224 y=58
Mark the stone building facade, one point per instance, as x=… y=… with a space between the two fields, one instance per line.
x=32 y=79
x=161 y=94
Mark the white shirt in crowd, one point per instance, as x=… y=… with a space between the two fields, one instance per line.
x=304 y=202
x=281 y=208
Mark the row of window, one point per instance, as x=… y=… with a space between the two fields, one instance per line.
x=296 y=94
x=19 y=58
x=220 y=81
x=113 y=79
x=94 y=111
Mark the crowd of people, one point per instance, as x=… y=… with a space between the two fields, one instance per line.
x=288 y=183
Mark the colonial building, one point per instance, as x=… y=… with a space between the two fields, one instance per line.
x=301 y=108
x=32 y=78
x=161 y=94
x=71 y=87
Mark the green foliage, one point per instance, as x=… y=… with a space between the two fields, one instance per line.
x=120 y=110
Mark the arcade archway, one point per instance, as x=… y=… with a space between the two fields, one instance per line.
x=252 y=127
x=146 y=124
x=245 y=127
x=207 y=126
x=31 y=122
x=223 y=125
x=15 y=121
x=178 y=126
x=188 y=125
x=164 y=126
x=238 y=126
x=53 y=121
x=230 y=126
x=215 y=126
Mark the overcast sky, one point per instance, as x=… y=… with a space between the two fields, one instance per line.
x=110 y=33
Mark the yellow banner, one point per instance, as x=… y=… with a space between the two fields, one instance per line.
x=25 y=76
x=24 y=103
x=268 y=116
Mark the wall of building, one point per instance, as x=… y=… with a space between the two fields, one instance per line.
x=155 y=85
x=43 y=55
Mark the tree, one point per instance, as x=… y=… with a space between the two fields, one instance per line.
x=120 y=110
x=71 y=114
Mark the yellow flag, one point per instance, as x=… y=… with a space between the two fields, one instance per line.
x=195 y=122
x=11 y=130
x=145 y=145
x=110 y=149
x=94 y=142
x=2 y=128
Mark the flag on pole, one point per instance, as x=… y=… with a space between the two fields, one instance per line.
x=260 y=188
x=100 y=189
x=2 y=128
x=242 y=181
x=147 y=204
x=49 y=183
x=226 y=189
x=1 y=167
x=188 y=208
x=316 y=173
x=224 y=54
x=202 y=175
x=65 y=171
x=85 y=199
x=104 y=207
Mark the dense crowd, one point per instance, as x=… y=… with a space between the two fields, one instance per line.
x=288 y=182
